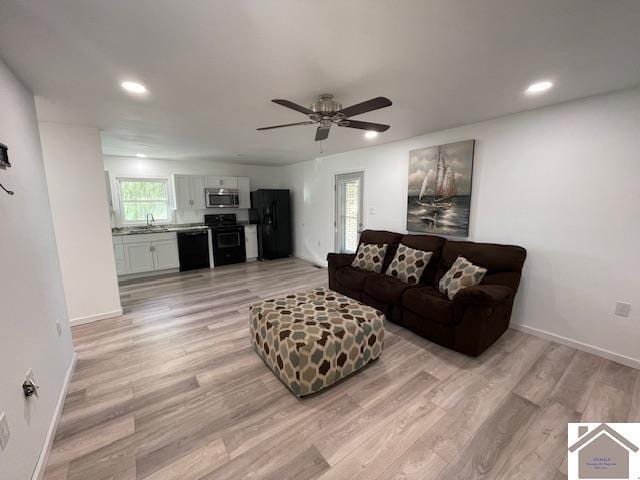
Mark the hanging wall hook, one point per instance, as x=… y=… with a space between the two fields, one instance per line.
x=10 y=192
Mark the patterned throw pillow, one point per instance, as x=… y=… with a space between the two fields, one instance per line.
x=462 y=274
x=370 y=257
x=408 y=264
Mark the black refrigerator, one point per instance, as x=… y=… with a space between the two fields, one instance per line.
x=271 y=211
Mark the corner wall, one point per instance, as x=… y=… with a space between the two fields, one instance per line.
x=78 y=196
x=31 y=293
x=560 y=181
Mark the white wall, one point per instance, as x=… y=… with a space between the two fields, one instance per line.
x=560 y=181
x=31 y=292
x=78 y=196
x=260 y=177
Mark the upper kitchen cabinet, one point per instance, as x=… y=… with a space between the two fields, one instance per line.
x=189 y=192
x=197 y=191
x=244 y=192
x=213 y=181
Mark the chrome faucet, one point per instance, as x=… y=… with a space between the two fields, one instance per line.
x=150 y=223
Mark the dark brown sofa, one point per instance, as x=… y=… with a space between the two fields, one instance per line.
x=476 y=317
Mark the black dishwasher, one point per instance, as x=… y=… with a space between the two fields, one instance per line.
x=193 y=248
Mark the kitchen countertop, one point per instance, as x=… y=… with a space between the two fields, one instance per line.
x=157 y=229
x=164 y=229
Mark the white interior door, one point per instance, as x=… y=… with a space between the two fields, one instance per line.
x=348 y=220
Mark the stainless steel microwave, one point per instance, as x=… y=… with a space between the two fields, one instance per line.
x=221 y=198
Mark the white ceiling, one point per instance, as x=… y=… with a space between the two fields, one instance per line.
x=212 y=66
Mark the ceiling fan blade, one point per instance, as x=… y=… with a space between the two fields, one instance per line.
x=308 y=122
x=364 y=107
x=376 y=127
x=294 y=106
x=322 y=133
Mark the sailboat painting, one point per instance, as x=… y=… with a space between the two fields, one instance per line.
x=439 y=193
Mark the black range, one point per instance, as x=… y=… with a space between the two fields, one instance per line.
x=227 y=238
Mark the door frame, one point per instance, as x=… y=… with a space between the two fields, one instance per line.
x=336 y=214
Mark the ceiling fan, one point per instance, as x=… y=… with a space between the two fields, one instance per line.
x=326 y=111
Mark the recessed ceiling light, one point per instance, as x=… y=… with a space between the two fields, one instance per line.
x=370 y=134
x=141 y=155
x=134 y=87
x=539 y=87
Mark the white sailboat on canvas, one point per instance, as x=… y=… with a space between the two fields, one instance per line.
x=445 y=186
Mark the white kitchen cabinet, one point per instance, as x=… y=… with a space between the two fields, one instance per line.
x=251 y=241
x=182 y=189
x=165 y=254
x=118 y=255
x=146 y=252
x=189 y=192
x=213 y=181
x=139 y=257
x=244 y=192
x=197 y=192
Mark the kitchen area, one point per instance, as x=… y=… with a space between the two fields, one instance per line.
x=182 y=222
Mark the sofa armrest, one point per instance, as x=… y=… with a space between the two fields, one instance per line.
x=339 y=260
x=483 y=295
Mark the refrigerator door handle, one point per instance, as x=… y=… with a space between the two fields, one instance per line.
x=275 y=215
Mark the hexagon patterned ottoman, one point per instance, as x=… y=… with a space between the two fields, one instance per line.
x=313 y=339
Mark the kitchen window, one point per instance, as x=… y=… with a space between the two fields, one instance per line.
x=141 y=196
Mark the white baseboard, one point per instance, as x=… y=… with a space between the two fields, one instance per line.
x=94 y=318
x=585 y=347
x=41 y=466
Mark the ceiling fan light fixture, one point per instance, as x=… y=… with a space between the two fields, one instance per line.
x=325 y=111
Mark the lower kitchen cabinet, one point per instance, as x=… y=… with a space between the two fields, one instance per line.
x=251 y=241
x=165 y=254
x=146 y=252
x=139 y=257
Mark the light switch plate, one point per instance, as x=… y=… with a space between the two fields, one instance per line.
x=4 y=431
x=59 y=327
x=623 y=309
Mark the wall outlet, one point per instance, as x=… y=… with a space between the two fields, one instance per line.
x=372 y=211
x=4 y=431
x=623 y=309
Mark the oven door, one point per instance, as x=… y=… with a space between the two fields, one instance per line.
x=222 y=198
x=226 y=239
x=228 y=246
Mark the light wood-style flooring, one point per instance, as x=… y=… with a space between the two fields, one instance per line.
x=173 y=390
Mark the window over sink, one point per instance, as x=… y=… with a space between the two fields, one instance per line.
x=141 y=196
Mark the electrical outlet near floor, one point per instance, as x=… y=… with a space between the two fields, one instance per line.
x=623 y=309
x=59 y=327
x=4 y=431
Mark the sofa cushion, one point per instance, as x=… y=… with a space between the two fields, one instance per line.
x=461 y=275
x=428 y=303
x=370 y=257
x=427 y=243
x=385 y=289
x=382 y=237
x=352 y=278
x=408 y=264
